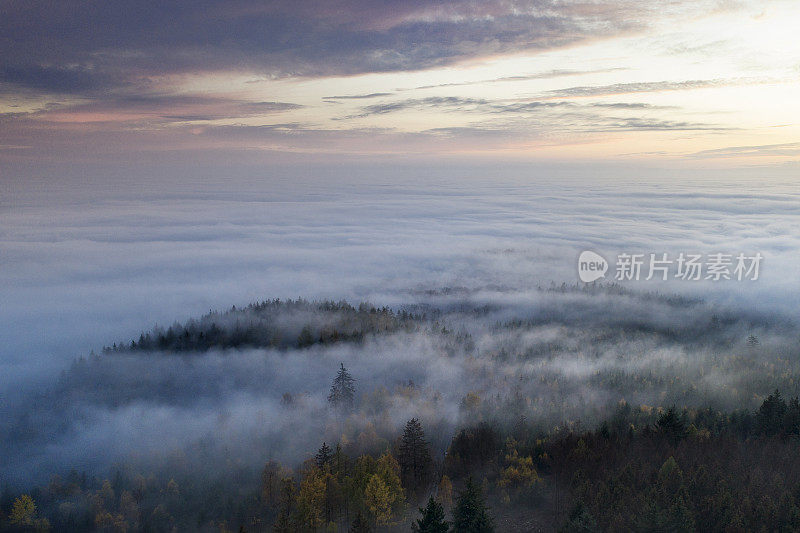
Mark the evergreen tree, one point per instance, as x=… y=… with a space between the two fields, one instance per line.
x=471 y=514
x=671 y=424
x=306 y=338
x=360 y=524
x=432 y=520
x=792 y=418
x=339 y=463
x=580 y=520
x=770 y=416
x=323 y=456
x=414 y=456
x=343 y=390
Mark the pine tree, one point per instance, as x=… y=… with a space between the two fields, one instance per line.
x=339 y=463
x=306 y=338
x=414 y=456
x=580 y=520
x=471 y=514
x=343 y=390
x=432 y=520
x=323 y=456
x=360 y=524
x=671 y=424
x=770 y=416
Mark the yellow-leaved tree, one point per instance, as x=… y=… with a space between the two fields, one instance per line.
x=23 y=515
x=311 y=499
x=378 y=498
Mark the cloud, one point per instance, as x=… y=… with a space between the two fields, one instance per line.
x=482 y=105
x=639 y=87
x=356 y=96
x=781 y=149
x=555 y=73
x=441 y=102
x=98 y=45
x=58 y=79
x=134 y=114
x=533 y=118
x=646 y=124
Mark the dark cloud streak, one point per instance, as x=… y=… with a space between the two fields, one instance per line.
x=85 y=47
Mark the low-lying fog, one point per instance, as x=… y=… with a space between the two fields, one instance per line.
x=483 y=259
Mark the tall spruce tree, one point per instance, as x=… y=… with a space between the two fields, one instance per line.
x=323 y=456
x=414 y=457
x=360 y=524
x=432 y=520
x=343 y=390
x=471 y=514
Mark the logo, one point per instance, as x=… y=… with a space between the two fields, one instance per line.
x=591 y=266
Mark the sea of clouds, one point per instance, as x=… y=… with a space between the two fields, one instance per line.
x=85 y=263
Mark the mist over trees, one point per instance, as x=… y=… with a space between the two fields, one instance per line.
x=587 y=408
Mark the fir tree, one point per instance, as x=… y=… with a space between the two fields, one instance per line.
x=432 y=520
x=343 y=390
x=323 y=456
x=471 y=514
x=580 y=520
x=360 y=524
x=413 y=456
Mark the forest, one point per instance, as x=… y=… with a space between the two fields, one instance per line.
x=593 y=408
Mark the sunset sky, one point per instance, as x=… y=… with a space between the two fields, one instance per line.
x=697 y=83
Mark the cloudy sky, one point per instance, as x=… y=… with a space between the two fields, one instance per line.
x=703 y=83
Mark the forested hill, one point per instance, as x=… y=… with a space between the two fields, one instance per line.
x=276 y=324
x=300 y=323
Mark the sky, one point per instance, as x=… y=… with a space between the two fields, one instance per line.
x=699 y=84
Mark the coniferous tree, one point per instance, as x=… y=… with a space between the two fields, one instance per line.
x=671 y=424
x=792 y=418
x=323 y=456
x=770 y=416
x=580 y=520
x=343 y=391
x=360 y=524
x=471 y=514
x=306 y=338
x=432 y=520
x=414 y=456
